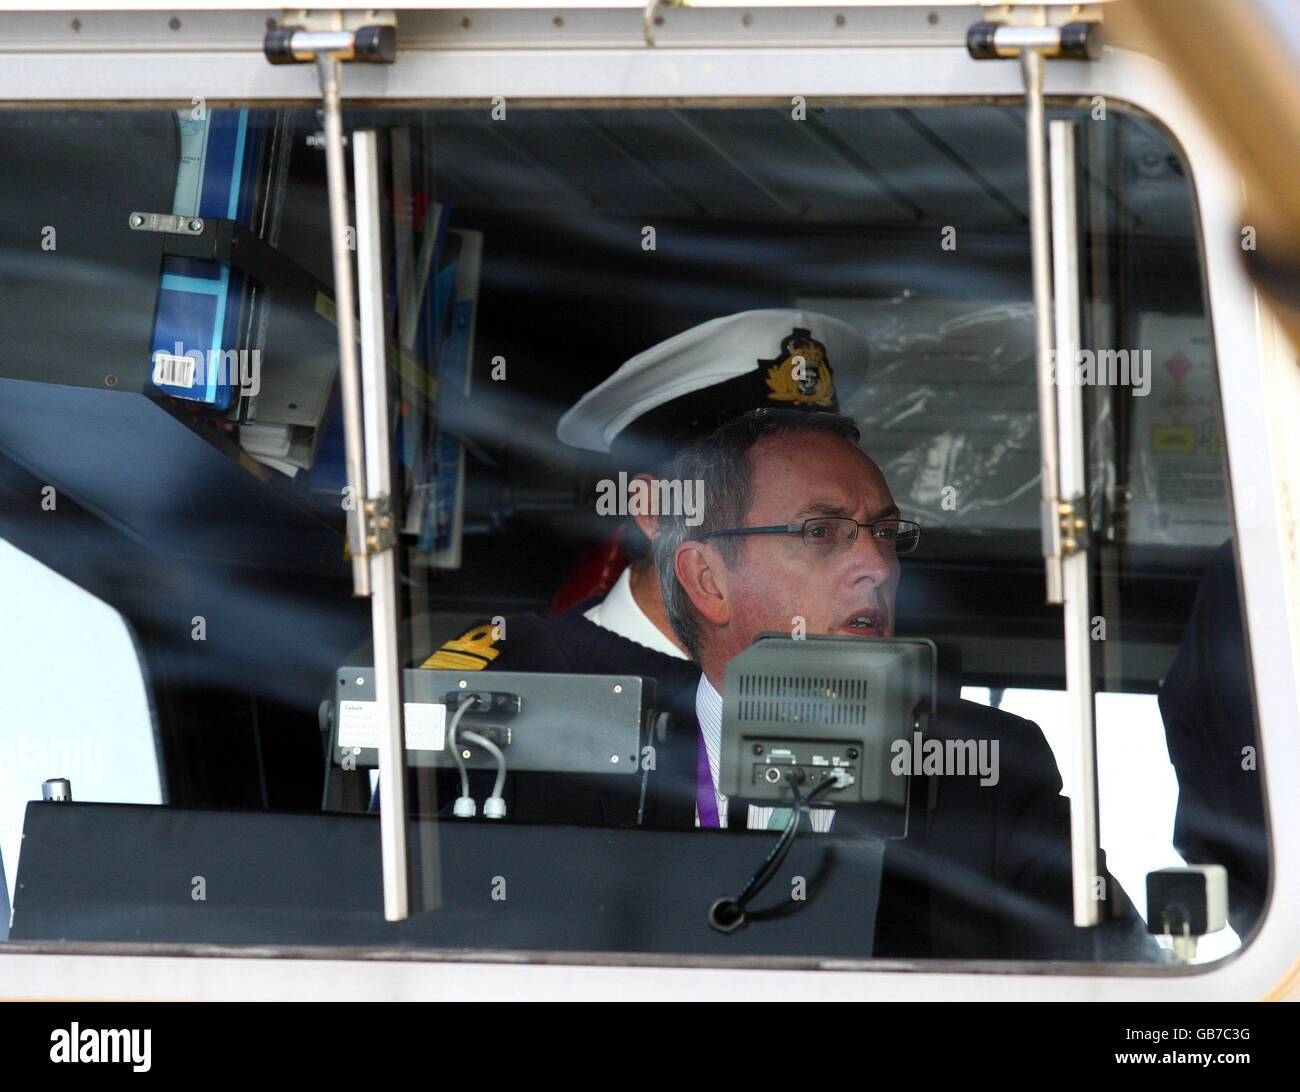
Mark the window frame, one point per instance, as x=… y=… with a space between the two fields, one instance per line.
x=1256 y=381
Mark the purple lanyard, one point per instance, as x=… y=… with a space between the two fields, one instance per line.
x=705 y=799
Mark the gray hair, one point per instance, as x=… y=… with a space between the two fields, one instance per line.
x=720 y=461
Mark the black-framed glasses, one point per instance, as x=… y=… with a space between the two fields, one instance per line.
x=833 y=534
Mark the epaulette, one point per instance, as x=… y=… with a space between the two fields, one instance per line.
x=471 y=651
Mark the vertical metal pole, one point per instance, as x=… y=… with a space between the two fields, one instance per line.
x=1084 y=839
x=345 y=315
x=1031 y=66
x=385 y=611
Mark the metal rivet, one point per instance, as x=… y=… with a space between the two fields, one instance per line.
x=463 y=684
x=613 y=758
x=839 y=20
x=361 y=680
x=618 y=688
x=110 y=381
x=75 y=24
x=196 y=225
x=558 y=20
x=747 y=20
x=174 y=23
x=356 y=750
x=465 y=22
x=136 y=219
x=465 y=753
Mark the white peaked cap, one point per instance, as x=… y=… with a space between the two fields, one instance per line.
x=750 y=352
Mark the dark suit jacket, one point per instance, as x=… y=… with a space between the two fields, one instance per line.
x=1208 y=711
x=983 y=872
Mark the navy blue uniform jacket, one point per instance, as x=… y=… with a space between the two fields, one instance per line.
x=984 y=873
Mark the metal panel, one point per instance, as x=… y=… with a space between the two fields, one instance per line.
x=567 y=723
x=314 y=879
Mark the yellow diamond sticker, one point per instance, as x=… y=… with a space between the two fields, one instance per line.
x=1176 y=402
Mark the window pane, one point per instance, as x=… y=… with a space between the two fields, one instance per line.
x=185 y=409
x=99 y=733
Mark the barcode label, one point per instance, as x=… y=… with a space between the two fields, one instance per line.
x=173 y=371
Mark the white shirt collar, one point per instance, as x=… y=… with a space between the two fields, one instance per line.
x=619 y=613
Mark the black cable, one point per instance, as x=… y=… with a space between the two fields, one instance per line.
x=781 y=851
x=727 y=915
x=776 y=857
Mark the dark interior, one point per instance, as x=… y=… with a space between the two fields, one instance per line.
x=163 y=517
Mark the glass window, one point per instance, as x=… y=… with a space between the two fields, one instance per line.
x=98 y=733
x=180 y=392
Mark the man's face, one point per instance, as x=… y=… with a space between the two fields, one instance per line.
x=779 y=578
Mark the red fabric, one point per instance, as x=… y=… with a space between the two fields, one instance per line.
x=594 y=573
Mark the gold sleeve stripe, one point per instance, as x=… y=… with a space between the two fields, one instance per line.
x=454 y=661
x=471 y=651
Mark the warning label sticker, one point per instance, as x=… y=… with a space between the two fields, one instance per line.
x=426 y=726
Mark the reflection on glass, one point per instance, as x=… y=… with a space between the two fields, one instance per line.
x=575 y=297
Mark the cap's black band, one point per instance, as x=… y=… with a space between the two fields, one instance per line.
x=657 y=435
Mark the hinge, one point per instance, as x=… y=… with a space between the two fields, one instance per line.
x=381 y=532
x=1010 y=29
x=305 y=35
x=166 y=223
x=1076 y=531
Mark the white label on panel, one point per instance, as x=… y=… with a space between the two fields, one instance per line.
x=426 y=725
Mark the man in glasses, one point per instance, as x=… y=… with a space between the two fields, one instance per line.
x=801 y=533
x=631 y=425
x=611 y=618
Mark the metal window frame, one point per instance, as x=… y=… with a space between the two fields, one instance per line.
x=1258 y=381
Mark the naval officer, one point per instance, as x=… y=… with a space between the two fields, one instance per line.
x=799 y=522
x=661 y=399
